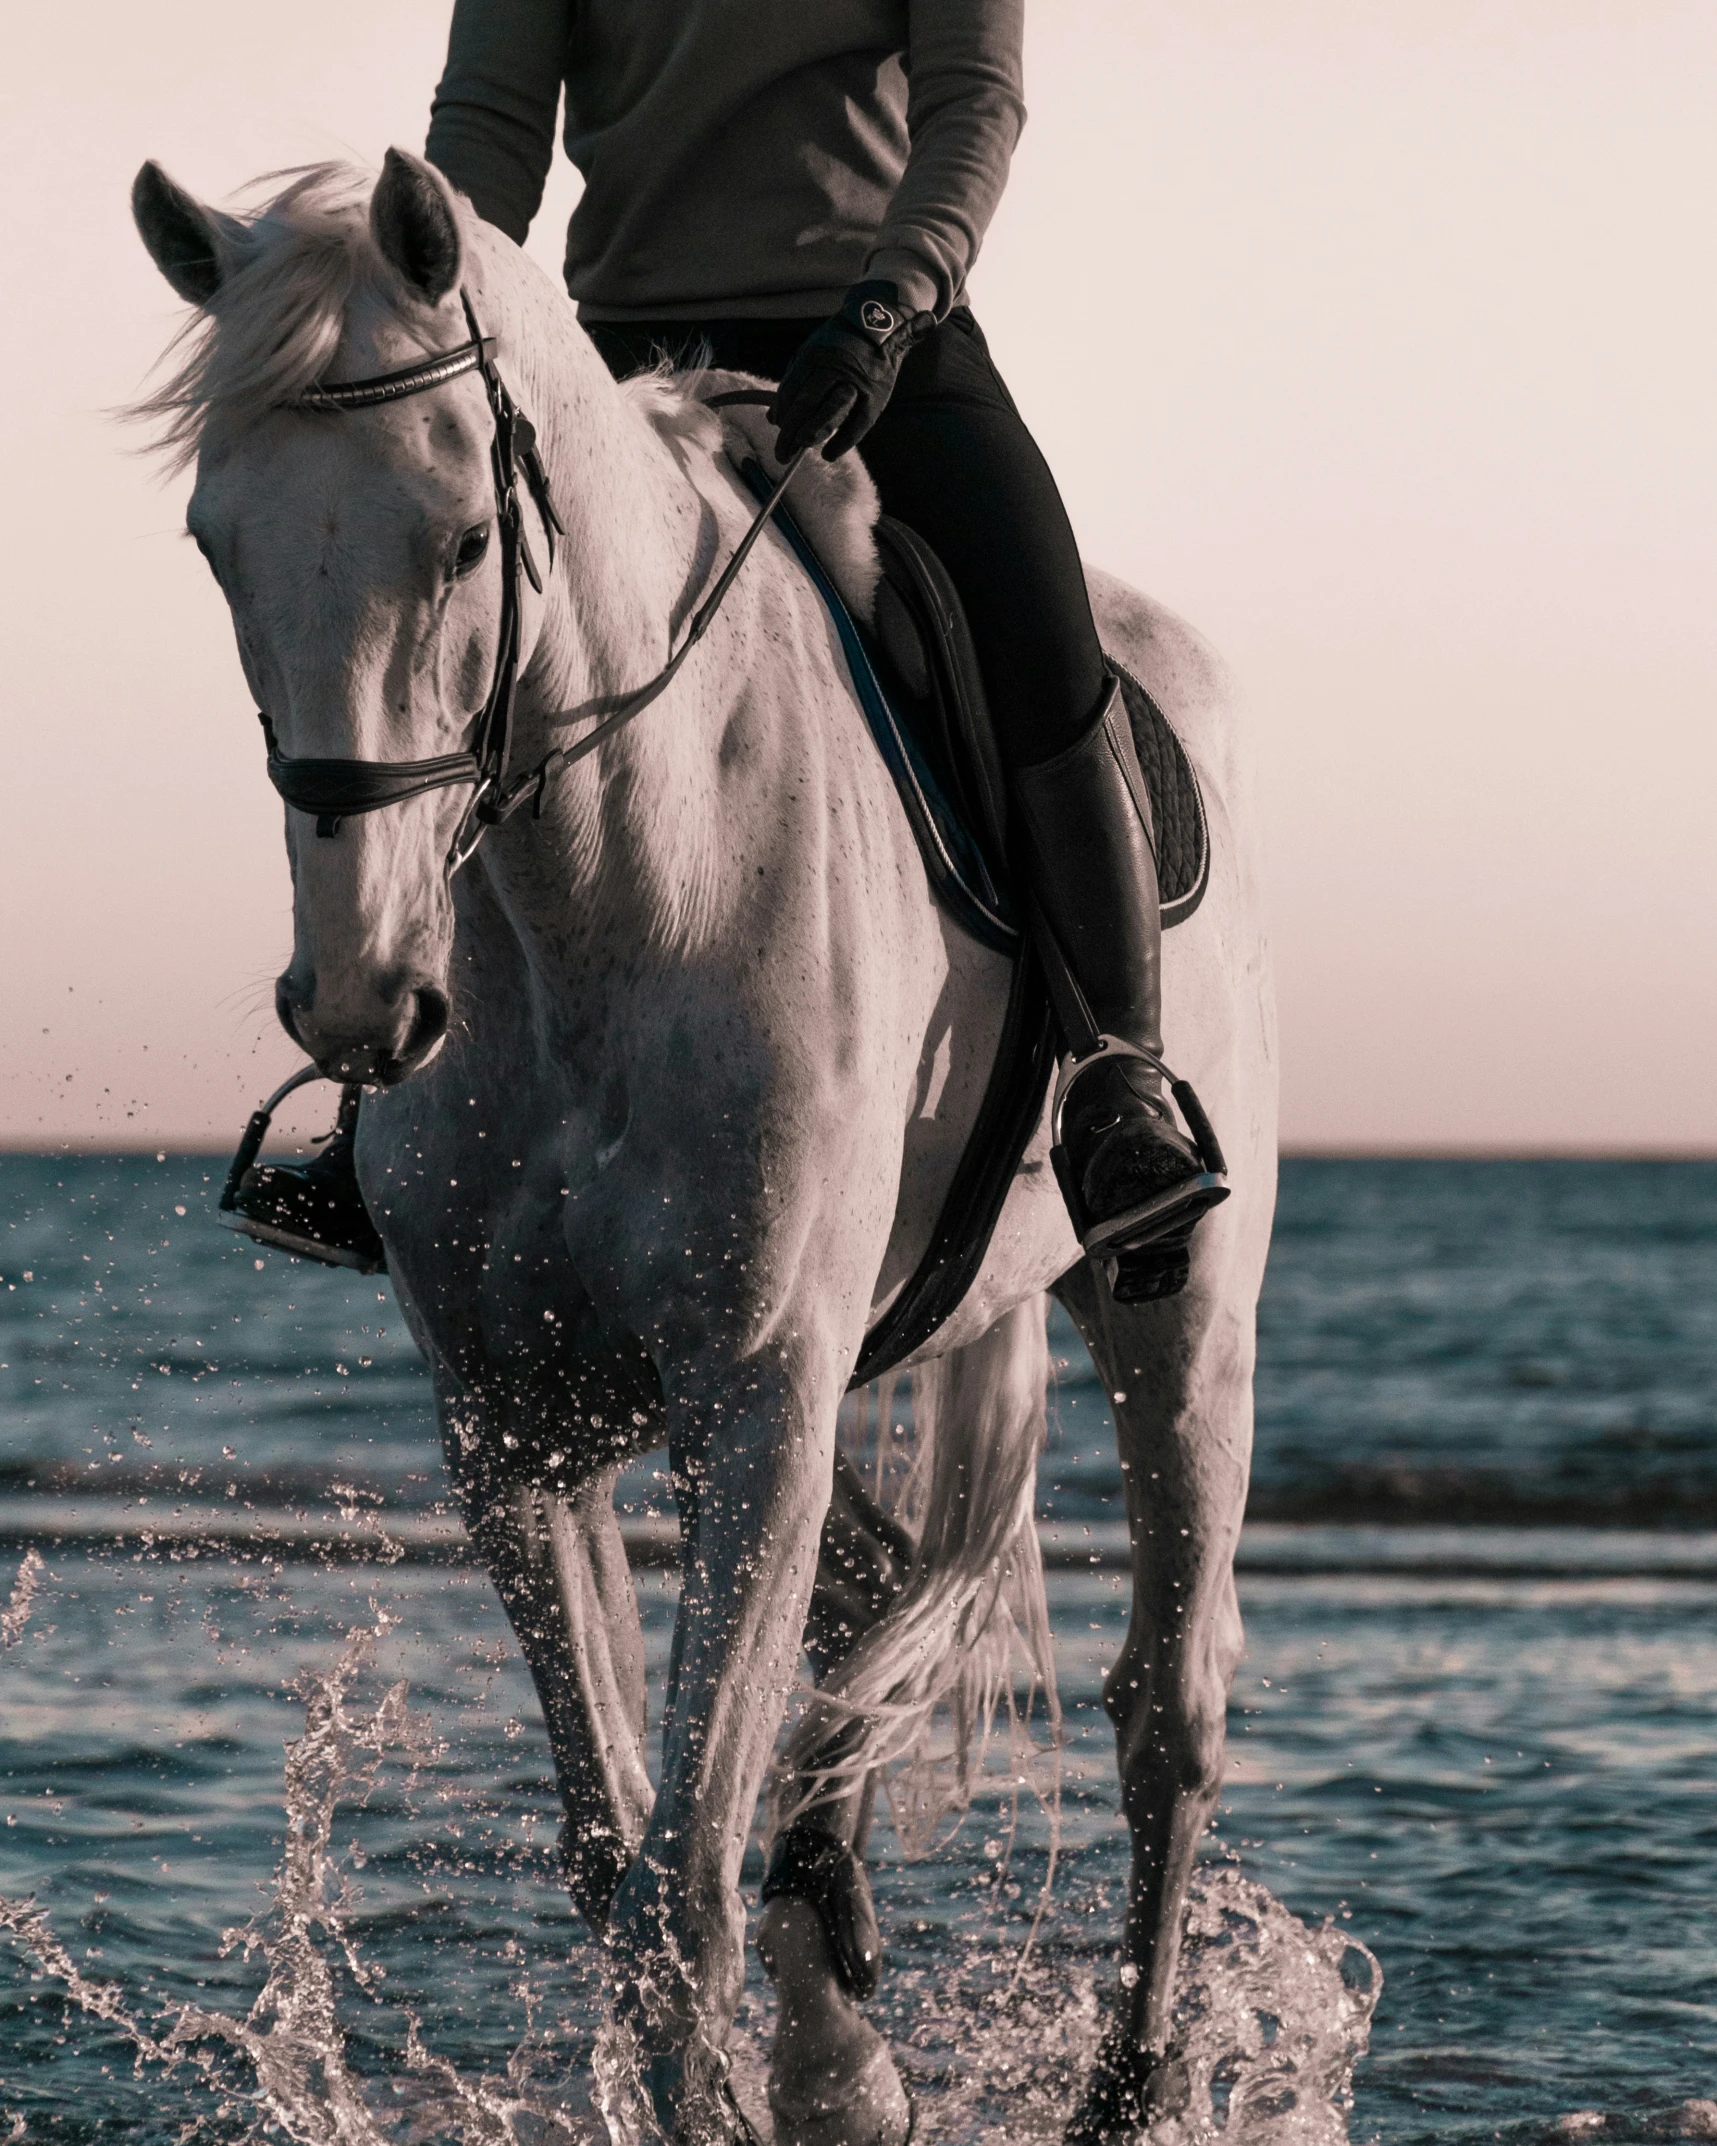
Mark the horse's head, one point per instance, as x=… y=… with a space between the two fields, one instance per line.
x=359 y=552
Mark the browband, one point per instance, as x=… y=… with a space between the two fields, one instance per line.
x=390 y=387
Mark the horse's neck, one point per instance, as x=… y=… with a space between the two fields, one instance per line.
x=630 y=520
x=626 y=825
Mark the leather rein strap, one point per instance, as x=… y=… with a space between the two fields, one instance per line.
x=334 y=790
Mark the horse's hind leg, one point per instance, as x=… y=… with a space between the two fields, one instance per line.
x=560 y=1568
x=831 y=2082
x=1179 y=1374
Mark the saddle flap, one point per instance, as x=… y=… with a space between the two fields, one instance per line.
x=930 y=717
x=927 y=645
x=949 y=711
x=1180 y=832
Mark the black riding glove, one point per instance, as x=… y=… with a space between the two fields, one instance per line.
x=842 y=375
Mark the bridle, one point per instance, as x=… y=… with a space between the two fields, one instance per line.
x=335 y=790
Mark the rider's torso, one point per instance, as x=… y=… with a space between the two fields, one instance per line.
x=743 y=157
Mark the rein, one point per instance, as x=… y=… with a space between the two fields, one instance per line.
x=334 y=790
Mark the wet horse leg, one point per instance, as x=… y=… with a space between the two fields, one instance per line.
x=752 y=1446
x=831 y=2081
x=560 y=1568
x=559 y=1565
x=981 y=1409
x=1179 y=1374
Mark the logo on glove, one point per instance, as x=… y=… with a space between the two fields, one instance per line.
x=876 y=318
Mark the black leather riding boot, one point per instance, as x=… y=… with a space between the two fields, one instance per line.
x=312 y=1208
x=1135 y=1186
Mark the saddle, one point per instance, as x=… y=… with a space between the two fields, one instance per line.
x=916 y=672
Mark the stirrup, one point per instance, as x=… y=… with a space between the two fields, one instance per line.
x=1167 y=1216
x=362 y=1258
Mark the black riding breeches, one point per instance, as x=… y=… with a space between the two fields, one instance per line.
x=953 y=460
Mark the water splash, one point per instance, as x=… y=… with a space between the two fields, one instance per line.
x=31 y=1929
x=292 y=2037
x=16 y=1614
x=1272 y=2017
x=292 y=2076
x=618 y=2083
x=1274 y=2013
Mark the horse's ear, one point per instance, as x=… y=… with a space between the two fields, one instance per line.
x=193 y=247
x=415 y=225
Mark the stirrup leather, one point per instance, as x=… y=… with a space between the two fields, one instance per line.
x=1152 y=1219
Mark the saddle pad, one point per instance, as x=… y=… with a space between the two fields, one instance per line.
x=1181 y=831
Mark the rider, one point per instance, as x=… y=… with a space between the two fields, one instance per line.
x=799 y=193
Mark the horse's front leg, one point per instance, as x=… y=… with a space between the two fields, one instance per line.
x=752 y=1449
x=559 y=1565
x=1179 y=1375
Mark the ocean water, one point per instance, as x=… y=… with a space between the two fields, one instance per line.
x=279 y=1834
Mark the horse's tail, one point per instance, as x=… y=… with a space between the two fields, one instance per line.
x=968 y=1636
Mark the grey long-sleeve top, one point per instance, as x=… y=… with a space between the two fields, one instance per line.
x=741 y=158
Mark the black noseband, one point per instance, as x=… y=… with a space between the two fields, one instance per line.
x=335 y=790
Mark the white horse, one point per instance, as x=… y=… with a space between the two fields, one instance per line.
x=670 y=1081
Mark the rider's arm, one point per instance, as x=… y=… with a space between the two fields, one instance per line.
x=491 y=127
x=965 y=108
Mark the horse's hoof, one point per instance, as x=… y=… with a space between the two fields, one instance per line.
x=873 y=2109
x=1129 y=2090
x=703 y=2110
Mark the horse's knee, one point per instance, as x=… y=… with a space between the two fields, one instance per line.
x=1171 y=1739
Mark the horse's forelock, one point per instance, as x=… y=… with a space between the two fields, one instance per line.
x=277 y=318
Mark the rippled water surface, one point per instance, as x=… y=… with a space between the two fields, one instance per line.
x=1502 y=1788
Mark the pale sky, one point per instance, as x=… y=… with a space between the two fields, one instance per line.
x=1377 y=337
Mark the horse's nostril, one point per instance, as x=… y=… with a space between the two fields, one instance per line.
x=285 y=1012
x=430 y=1025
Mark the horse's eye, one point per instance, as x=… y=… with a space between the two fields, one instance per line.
x=472 y=545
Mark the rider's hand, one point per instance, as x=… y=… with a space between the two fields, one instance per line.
x=843 y=374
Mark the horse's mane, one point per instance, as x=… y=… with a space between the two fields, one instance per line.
x=294 y=264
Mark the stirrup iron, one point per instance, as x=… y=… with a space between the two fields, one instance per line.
x=366 y=1259
x=1153 y=1219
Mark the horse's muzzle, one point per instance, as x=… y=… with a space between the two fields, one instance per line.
x=402 y=1035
